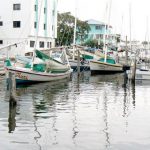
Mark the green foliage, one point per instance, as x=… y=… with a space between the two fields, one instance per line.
x=66 y=29
x=93 y=43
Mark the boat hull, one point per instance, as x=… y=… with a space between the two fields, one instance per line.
x=83 y=66
x=104 y=68
x=24 y=75
x=140 y=75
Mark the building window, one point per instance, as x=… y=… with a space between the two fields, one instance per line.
x=49 y=44
x=41 y=44
x=44 y=10
x=35 y=24
x=1 y=41
x=44 y=26
x=16 y=7
x=97 y=36
x=16 y=24
x=32 y=43
x=53 y=12
x=35 y=7
x=98 y=27
x=1 y=23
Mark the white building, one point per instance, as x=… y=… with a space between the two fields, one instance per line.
x=27 y=21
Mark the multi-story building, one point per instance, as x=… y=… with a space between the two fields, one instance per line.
x=30 y=22
x=99 y=30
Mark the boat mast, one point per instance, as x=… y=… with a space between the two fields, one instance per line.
x=107 y=31
x=37 y=30
x=130 y=27
x=75 y=28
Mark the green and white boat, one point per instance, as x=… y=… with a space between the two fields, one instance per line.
x=41 y=68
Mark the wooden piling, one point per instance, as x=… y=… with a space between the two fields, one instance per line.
x=12 y=87
x=12 y=115
x=133 y=71
x=78 y=65
x=126 y=54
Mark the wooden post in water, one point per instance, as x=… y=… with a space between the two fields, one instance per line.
x=78 y=65
x=133 y=71
x=12 y=87
x=126 y=56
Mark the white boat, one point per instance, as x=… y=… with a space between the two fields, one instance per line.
x=38 y=71
x=100 y=67
x=84 y=65
x=141 y=74
x=26 y=75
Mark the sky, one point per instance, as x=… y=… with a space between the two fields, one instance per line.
x=125 y=15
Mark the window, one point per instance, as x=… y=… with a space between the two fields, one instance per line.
x=16 y=7
x=50 y=44
x=1 y=23
x=44 y=26
x=35 y=24
x=32 y=43
x=47 y=44
x=97 y=36
x=98 y=27
x=44 y=10
x=35 y=7
x=16 y=24
x=1 y=41
x=53 y=12
x=41 y=44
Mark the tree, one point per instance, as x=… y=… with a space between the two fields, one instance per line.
x=66 y=29
x=93 y=43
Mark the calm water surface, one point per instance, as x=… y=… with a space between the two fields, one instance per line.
x=90 y=113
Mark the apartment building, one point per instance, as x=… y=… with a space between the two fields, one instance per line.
x=28 y=22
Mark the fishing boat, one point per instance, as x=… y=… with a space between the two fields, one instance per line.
x=102 y=67
x=142 y=73
x=41 y=68
x=106 y=64
x=73 y=59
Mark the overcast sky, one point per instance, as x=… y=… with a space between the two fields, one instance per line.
x=119 y=18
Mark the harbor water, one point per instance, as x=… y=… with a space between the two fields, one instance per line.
x=88 y=113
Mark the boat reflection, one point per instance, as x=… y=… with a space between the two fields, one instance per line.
x=36 y=102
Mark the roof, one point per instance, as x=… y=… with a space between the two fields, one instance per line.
x=95 y=22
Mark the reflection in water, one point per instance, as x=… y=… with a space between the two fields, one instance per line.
x=12 y=115
x=43 y=97
x=133 y=93
x=74 y=113
x=90 y=112
x=38 y=135
x=106 y=119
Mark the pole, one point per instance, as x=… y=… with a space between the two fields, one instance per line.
x=133 y=70
x=75 y=28
x=126 y=57
x=130 y=26
x=12 y=87
x=78 y=66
